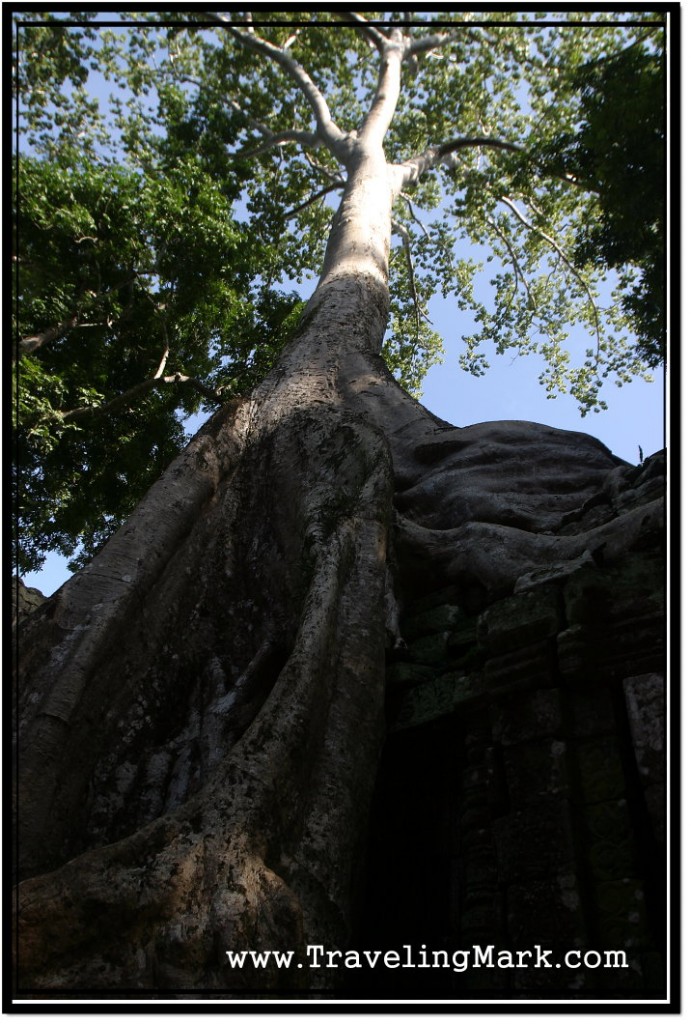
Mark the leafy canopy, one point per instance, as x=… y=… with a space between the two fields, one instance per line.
x=171 y=186
x=618 y=151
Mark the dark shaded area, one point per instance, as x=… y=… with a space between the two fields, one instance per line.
x=521 y=796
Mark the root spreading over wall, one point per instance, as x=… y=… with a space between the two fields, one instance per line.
x=201 y=710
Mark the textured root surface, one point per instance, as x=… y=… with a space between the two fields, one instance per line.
x=217 y=737
x=201 y=709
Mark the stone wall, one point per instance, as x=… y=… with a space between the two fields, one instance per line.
x=25 y=600
x=521 y=799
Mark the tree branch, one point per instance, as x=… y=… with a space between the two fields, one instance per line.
x=272 y=138
x=404 y=235
x=166 y=340
x=164 y=360
x=370 y=32
x=133 y=394
x=325 y=172
x=279 y=139
x=413 y=215
x=291 y=39
x=32 y=342
x=562 y=255
x=517 y=271
x=327 y=129
x=426 y=43
x=313 y=199
x=36 y=341
x=414 y=168
x=380 y=114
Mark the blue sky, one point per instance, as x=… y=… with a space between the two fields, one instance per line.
x=510 y=390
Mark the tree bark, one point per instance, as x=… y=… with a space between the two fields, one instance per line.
x=201 y=709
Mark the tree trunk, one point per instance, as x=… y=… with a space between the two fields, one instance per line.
x=201 y=709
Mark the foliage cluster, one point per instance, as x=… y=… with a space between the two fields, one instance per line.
x=619 y=153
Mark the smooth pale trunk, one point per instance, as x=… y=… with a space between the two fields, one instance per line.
x=360 y=237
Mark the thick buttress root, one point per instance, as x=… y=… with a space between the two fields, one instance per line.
x=255 y=845
x=201 y=710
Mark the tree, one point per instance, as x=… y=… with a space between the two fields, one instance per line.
x=122 y=328
x=120 y=336
x=136 y=342
x=201 y=707
x=619 y=151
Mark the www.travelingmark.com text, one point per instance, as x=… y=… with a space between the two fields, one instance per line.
x=459 y=960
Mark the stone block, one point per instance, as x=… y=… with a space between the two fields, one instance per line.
x=609 y=845
x=600 y=770
x=527 y=716
x=428 y=650
x=634 y=645
x=496 y=781
x=536 y=843
x=645 y=703
x=469 y=659
x=433 y=699
x=616 y=981
x=656 y=802
x=620 y=907
x=576 y=655
x=548 y=911
x=589 y=711
x=463 y=636
x=527 y=668
x=402 y=674
x=25 y=600
x=478 y=848
x=441 y=619
x=588 y=654
x=475 y=805
x=535 y=770
x=550 y=983
x=479 y=876
x=634 y=589
x=615 y=620
x=483 y=921
x=580 y=983
x=520 y=620
x=465 y=686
